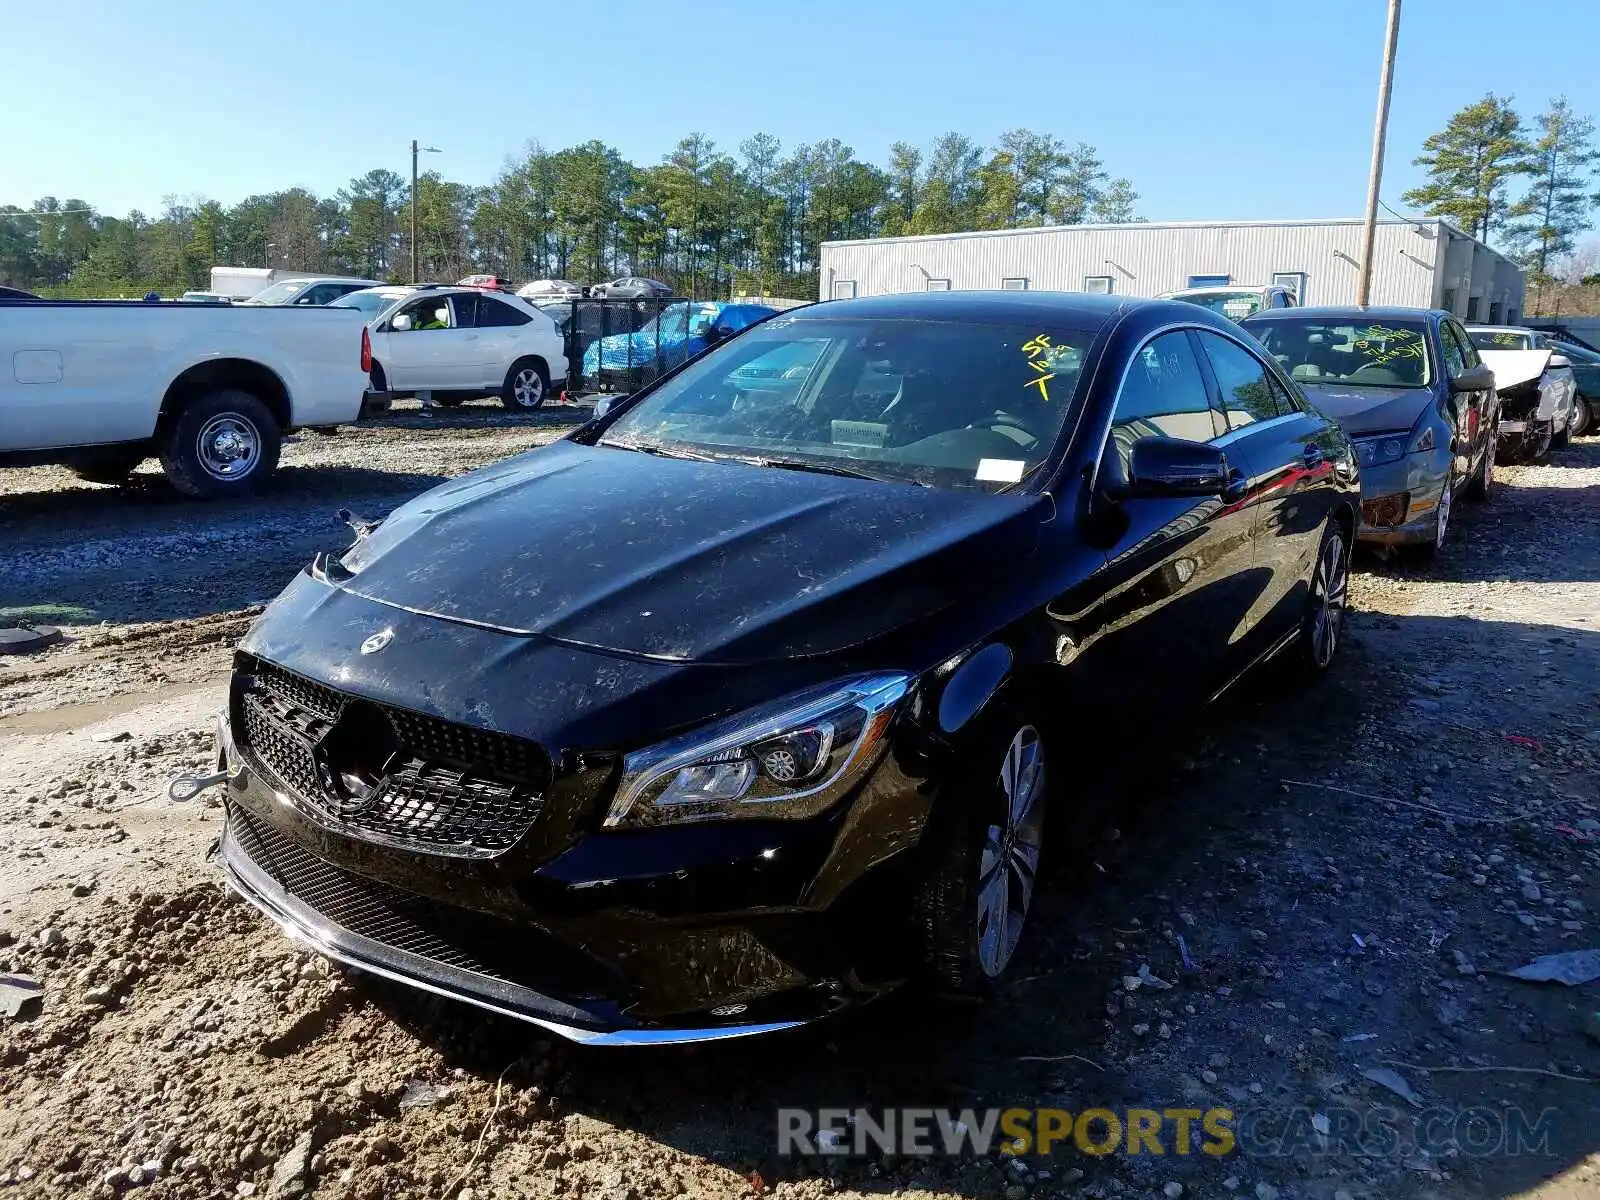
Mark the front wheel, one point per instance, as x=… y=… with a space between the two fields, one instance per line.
x=1582 y=415
x=1441 y=522
x=1482 y=482
x=526 y=387
x=1322 y=627
x=223 y=443
x=985 y=843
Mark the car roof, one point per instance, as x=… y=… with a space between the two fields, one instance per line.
x=1346 y=312
x=1474 y=327
x=334 y=279
x=980 y=307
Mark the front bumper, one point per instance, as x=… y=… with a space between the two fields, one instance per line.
x=1421 y=480
x=679 y=934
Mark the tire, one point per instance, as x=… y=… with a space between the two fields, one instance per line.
x=1542 y=446
x=1322 y=626
x=985 y=841
x=110 y=470
x=1582 y=415
x=1481 y=484
x=527 y=385
x=222 y=443
x=1441 y=523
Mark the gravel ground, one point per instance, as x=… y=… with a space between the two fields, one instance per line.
x=1329 y=879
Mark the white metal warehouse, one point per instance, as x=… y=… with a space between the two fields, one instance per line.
x=1419 y=264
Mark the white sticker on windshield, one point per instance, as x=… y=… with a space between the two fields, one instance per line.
x=1000 y=470
x=859 y=433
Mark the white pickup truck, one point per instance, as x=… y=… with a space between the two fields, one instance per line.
x=210 y=388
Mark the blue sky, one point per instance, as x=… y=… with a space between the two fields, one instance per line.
x=1213 y=110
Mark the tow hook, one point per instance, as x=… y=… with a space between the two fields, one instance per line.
x=187 y=787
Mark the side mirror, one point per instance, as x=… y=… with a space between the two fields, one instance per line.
x=1171 y=467
x=401 y=323
x=1473 y=379
x=602 y=406
x=1560 y=360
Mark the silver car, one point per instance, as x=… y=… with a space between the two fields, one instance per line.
x=1537 y=389
x=1415 y=398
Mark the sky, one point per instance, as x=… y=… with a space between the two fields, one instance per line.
x=1213 y=110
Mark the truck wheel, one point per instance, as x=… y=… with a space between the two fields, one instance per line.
x=527 y=384
x=223 y=443
x=111 y=469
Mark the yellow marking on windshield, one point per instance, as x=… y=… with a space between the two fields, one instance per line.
x=1040 y=354
x=1382 y=345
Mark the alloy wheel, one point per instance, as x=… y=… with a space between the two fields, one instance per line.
x=228 y=446
x=1009 y=864
x=528 y=388
x=1330 y=591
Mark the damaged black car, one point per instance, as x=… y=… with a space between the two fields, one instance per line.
x=741 y=704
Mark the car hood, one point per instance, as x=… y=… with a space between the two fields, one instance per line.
x=1364 y=410
x=1512 y=367
x=689 y=561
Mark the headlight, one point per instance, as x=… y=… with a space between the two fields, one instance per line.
x=788 y=760
x=1374 y=452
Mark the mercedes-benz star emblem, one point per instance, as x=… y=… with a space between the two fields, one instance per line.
x=377 y=641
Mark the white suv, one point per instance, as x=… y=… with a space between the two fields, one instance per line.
x=448 y=344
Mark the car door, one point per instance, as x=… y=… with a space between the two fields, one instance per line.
x=426 y=348
x=1152 y=630
x=1289 y=454
x=502 y=339
x=1464 y=408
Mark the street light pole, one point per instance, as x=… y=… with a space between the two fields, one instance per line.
x=416 y=274
x=1380 y=131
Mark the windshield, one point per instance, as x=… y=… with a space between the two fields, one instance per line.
x=370 y=303
x=278 y=293
x=1500 y=339
x=1374 y=354
x=1236 y=305
x=936 y=403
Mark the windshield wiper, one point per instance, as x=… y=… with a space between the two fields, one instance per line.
x=820 y=468
x=659 y=451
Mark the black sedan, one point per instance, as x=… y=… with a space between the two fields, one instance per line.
x=738 y=706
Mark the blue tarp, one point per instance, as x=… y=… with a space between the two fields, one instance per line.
x=682 y=334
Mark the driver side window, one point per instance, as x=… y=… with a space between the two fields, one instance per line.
x=1163 y=395
x=432 y=313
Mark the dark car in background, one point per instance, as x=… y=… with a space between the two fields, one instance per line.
x=1585 y=365
x=1409 y=388
x=739 y=705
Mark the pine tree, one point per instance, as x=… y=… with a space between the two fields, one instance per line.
x=1470 y=163
x=1546 y=222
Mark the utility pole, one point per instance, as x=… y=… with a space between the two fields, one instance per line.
x=1380 y=131
x=416 y=276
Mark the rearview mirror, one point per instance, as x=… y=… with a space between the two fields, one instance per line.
x=1473 y=379
x=1169 y=467
x=401 y=323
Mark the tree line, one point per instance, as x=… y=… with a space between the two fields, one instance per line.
x=708 y=222
x=1474 y=167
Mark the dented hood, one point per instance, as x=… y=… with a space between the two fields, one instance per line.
x=1512 y=367
x=1366 y=410
x=689 y=561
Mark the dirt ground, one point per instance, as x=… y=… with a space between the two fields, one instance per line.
x=1321 y=885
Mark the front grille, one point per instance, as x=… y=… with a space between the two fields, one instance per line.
x=460 y=938
x=388 y=774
